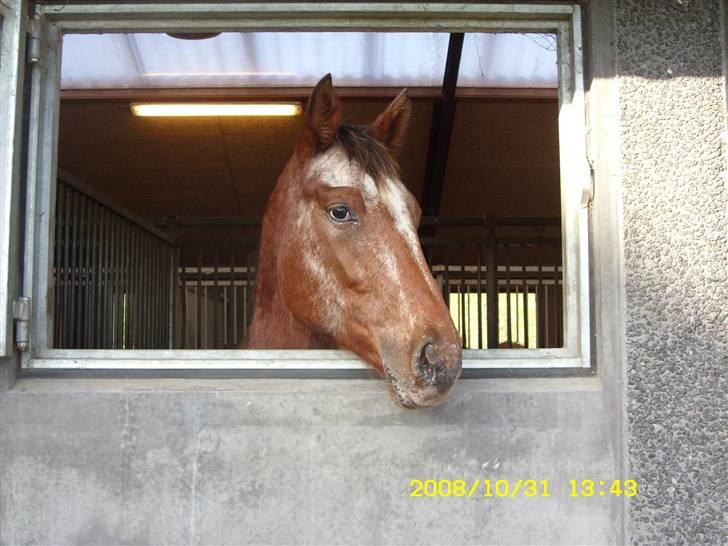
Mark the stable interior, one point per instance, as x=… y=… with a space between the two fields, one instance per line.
x=203 y=182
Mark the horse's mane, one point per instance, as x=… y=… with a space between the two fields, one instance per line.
x=367 y=152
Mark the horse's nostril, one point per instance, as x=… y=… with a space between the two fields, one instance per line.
x=427 y=365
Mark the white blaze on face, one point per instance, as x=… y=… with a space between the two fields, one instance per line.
x=335 y=169
x=395 y=198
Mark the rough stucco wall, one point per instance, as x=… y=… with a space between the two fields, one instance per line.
x=674 y=163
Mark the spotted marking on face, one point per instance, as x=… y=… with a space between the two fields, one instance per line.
x=334 y=169
x=330 y=305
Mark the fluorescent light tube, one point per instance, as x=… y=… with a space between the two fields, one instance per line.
x=200 y=109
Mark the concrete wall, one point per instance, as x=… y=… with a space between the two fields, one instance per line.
x=271 y=462
x=100 y=461
x=673 y=126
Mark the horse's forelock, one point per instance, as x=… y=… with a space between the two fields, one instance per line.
x=367 y=152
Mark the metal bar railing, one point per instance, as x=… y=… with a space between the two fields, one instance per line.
x=217 y=282
x=109 y=273
x=122 y=283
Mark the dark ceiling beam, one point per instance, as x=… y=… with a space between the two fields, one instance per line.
x=443 y=116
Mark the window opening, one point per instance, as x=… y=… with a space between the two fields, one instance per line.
x=120 y=284
x=89 y=134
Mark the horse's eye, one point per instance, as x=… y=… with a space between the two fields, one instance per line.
x=341 y=214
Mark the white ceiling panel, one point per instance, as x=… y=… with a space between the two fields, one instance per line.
x=509 y=60
x=269 y=59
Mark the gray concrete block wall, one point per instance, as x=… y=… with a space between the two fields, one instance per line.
x=284 y=462
x=673 y=130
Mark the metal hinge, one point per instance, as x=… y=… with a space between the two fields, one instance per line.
x=21 y=315
x=33 y=49
x=587 y=188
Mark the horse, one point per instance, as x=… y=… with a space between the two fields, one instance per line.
x=510 y=345
x=340 y=263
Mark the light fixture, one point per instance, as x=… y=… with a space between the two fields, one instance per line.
x=213 y=109
x=193 y=35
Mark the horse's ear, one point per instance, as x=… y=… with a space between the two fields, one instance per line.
x=323 y=113
x=390 y=126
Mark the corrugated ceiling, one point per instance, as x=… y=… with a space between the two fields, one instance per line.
x=270 y=59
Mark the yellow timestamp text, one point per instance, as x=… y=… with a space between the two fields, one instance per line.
x=511 y=489
x=479 y=488
x=602 y=488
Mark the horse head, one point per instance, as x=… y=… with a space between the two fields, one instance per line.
x=341 y=263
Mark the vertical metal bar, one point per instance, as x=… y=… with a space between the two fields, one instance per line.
x=492 y=282
x=446 y=260
x=143 y=316
x=74 y=270
x=463 y=299
x=116 y=305
x=161 y=292
x=119 y=225
x=183 y=279
x=509 y=333
x=479 y=292
x=147 y=302
x=541 y=314
x=517 y=337
x=88 y=277
x=198 y=293
x=557 y=289
x=61 y=227
x=101 y=296
x=132 y=298
x=82 y=255
x=94 y=284
x=244 y=305
x=139 y=276
x=215 y=298
x=78 y=273
x=107 y=308
x=164 y=266
x=141 y=310
x=89 y=273
x=129 y=293
x=205 y=312
x=111 y=281
x=98 y=287
x=118 y=296
x=71 y=270
x=172 y=291
x=525 y=295
x=249 y=289
x=149 y=287
x=139 y=290
x=233 y=314
x=126 y=242
x=153 y=292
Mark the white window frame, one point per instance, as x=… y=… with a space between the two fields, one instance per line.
x=563 y=20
